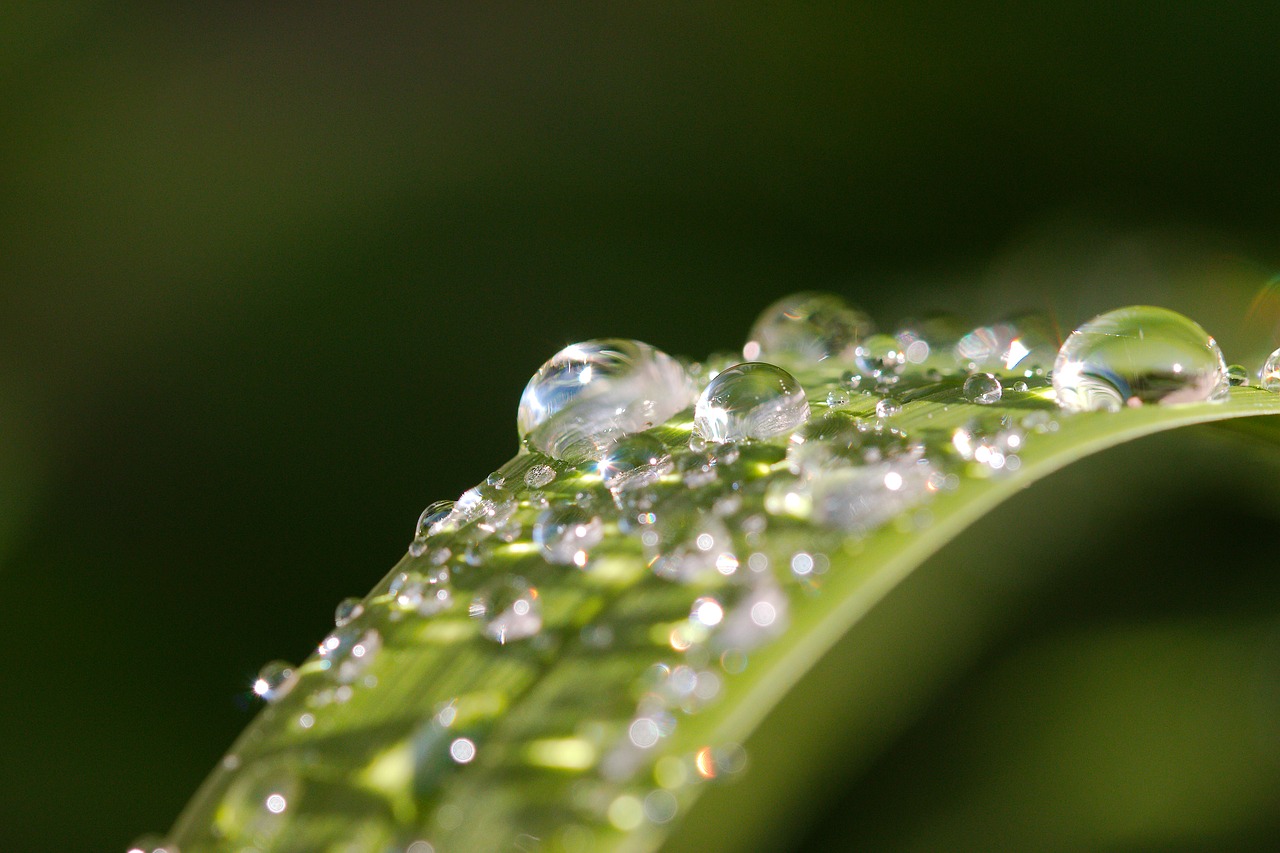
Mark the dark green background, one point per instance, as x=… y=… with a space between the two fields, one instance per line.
x=272 y=277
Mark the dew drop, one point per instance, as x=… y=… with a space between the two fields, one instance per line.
x=888 y=407
x=539 y=476
x=566 y=533
x=880 y=357
x=1138 y=355
x=429 y=522
x=1237 y=375
x=590 y=394
x=982 y=388
x=753 y=400
x=509 y=609
x=275 y=680
x=806 y=328
x=347 y=611
x=633 y=463
x=1269 y=376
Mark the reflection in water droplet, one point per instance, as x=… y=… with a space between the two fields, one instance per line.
x=1269 y=376
x=429 y=522
x=806 y=328
x=888 y=407
x=590 y=394
x=750 y=401
x=1138 y=355
x=566 y=533
x=275 y=680
x=634 y=462
x=1237 y=376
x=982 y=388
x=509 y=609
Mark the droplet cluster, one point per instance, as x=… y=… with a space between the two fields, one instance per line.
x=663 y=522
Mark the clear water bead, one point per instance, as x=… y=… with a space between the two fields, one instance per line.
x=750 y=400
x=1237 y=375
x=275 y=680
x=633 y=463
x=806 y=328
x=1138 y=355
x=888 y=407
x=509 y=609
x=591 y=394
x=982 y=388
x=347 y=611
x=1269 y=376
x=566 y=533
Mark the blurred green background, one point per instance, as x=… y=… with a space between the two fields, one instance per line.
x=272 y=277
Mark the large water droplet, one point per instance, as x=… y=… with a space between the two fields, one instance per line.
x=567 y=533
x=751 y=400
x=1138 y=355
x=982 y=388
x=509 y=609
x=806 y=328
x=882 y=358
x=634 y=462
x=590 y=394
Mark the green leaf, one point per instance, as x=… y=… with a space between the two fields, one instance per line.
x=601 y=729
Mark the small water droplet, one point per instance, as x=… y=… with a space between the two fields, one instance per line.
x=566 y=533
x=1269 y=376
x=806 y=328
x=275 y=680
x=754 y=400
x=430 y=522
x=509 y=609
x=837 y=398
x=588 y=395
x=1237 y=375
x=634 y=463
x=888 y=407
x=539 y=476
x=983 y=388
x=1138 y=355
x=347 y=611
x=425 y=594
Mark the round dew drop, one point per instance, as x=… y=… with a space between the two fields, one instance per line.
x=753 y=400
x=275 y=680
x=982 y=388
x=806 y=328
x=1138 y=355
x=633 y=463
x=590 y=394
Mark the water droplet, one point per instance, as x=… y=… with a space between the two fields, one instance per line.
x=425 y=594
x=880 y=357
x=888 y=407
x=275 y=680
x=487 y=507
x=982 y=388
x=591 y=394
x=509 y=609
x=348 y=652
x=430 y=522
x=750 y=401
x=806 y=328
x=347 y=611
x=1138 y=355
x=837 y=398
x=1237 y=376
x=539 y=476
x=566 y=533
x=859 y=500
x=1026 y=344
x=1269 y=376
x=930 y=340
x=634 y=462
